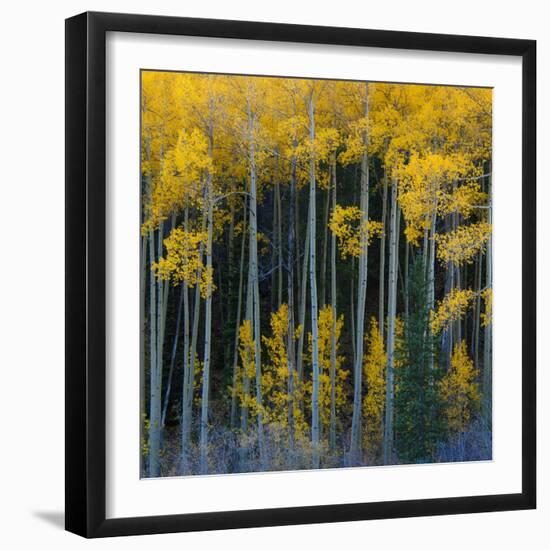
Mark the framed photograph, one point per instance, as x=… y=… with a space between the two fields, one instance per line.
x=300 y=274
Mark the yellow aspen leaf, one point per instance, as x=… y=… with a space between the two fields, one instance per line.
x=459 y=391
x=451 y=308
x=352 y=230
x=463 y=244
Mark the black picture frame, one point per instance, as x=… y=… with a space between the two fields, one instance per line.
x=86 y=275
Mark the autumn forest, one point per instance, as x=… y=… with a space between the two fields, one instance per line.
x=316 y=274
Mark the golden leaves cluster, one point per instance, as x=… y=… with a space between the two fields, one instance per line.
x=325 y=325
x=459 y=390
x=451 y=308
x=276 y=377
x=487 y=315
x=247 y=367
x=352 y=230
x=463 y=244
x=374 y=368
x=183 y=260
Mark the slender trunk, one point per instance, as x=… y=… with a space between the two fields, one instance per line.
x=352 y=283
x=161 y=317
x=456 y=328
x=189 y=372
x=185 y=410
x=172 y=361
x=154 y=400
x=431 y=275
x=238 y=322
x=487 y=343
x=332 y=425
x=303 y=297
x=189 y=380
x=407 y=261
x=425 y=248
x=243 y=448
x=447 y=336
x=203 y=443
x=477 y=312
x=291 y=353
x=352 y=310
x=253 y=263
x=313 y=290
x=142 y=319
x=274 y=253
x=154 y=387
x=458 y=322
x=431 y=264
x=160 y=300
x=279 y=245
x=355 y=446
x=193 y=353
x=392 y=309
x=382 y=270
x=464 y=277
x=297 y=235
x=325 y=250
x=230 y=278
x=143 y=333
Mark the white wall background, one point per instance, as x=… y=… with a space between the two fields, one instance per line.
x=32 y=260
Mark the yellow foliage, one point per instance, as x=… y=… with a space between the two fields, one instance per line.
x=487 y=315
x=355 y=144
x=324 y=144
x=451 y=308
x=374 y=367
x=247 y=367
x=325 y=347
x=463 y=200
x=182 y=169
x=352 y=230
x=400 y=346
x=276 y=380
x=183 y=260
x=462 y=245
x=423 y=188
x=459 y=390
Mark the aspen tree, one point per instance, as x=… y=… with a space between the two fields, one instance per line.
x=392 y=310
x=313 y=287
x=333 y=294
x=487 y=340
x=238 y=319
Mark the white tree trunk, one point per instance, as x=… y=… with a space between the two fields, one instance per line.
x=238 y=322
x=243 y=449
x=253 y=262
x=279 y=245
x=487 y=344
x=203 y=442
x=392 y=308
x=355 y=445
x=303 y=297
x=313 y=288
x=382 y=267
x=291 y=353
x=154 y=398
x=332 y=425
x=142 y=320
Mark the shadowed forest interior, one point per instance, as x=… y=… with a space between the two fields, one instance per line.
x=316 y=273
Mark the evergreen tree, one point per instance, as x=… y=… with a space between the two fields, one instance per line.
x=418 y=418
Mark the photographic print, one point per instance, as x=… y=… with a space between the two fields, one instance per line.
x=316 y=274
